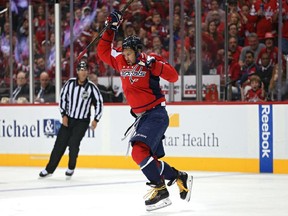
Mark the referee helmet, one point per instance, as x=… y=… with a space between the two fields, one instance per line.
x=82 y=65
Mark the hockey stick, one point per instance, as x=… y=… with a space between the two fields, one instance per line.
x=4 y=10
x=100 y=33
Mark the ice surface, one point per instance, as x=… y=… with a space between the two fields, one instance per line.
x=120 y=192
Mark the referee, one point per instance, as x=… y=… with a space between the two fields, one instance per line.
x=77 y=96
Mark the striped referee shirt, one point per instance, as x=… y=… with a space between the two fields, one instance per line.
x=76 y=100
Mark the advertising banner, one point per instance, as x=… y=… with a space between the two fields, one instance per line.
x=233 y=136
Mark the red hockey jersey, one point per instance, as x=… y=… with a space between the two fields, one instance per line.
x=140 y=84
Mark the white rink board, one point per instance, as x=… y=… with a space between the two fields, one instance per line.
x=233 y=128
x=280 y=113
x=205 y=131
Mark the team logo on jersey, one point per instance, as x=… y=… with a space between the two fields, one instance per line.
x=132 y=74
x=84 y=95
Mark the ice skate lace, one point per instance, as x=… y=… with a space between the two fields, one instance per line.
x=153 y=192
x=181 y=186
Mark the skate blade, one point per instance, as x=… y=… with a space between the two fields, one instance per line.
x=161 y=204
x=189 y=185
x=44 y=177
x=68 y=178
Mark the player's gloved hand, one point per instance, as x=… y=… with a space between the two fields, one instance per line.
x=145 y=60
x=114 y=20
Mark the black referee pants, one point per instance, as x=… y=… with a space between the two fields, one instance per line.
x=67 y=136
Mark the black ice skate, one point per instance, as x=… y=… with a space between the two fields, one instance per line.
x=44 y=174
x=184 y=182
x=159 y=197
x=69 y=174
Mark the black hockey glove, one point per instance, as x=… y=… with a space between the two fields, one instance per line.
x=114 y=20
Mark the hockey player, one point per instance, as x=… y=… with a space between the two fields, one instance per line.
x=140 y=74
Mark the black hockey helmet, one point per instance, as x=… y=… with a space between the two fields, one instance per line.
x=82 y=65
x=132 y=42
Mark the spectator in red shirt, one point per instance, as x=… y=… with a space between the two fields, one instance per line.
x=157 y=48
x=136 y=12
x=157 y=27
x=215 y=16
x=128 y=29
x=234 y=48
x=213 y=39
x=221 y=66
x=270 y=49
x=39 y=24
x=267 y=16
x=190 y=37
x=248 y=21
x=257 y=92
x=233 y=68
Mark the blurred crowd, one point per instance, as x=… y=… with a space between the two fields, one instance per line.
x=252 y=40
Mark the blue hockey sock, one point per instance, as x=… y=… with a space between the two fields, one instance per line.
x=167 y=171
x=150 y=170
